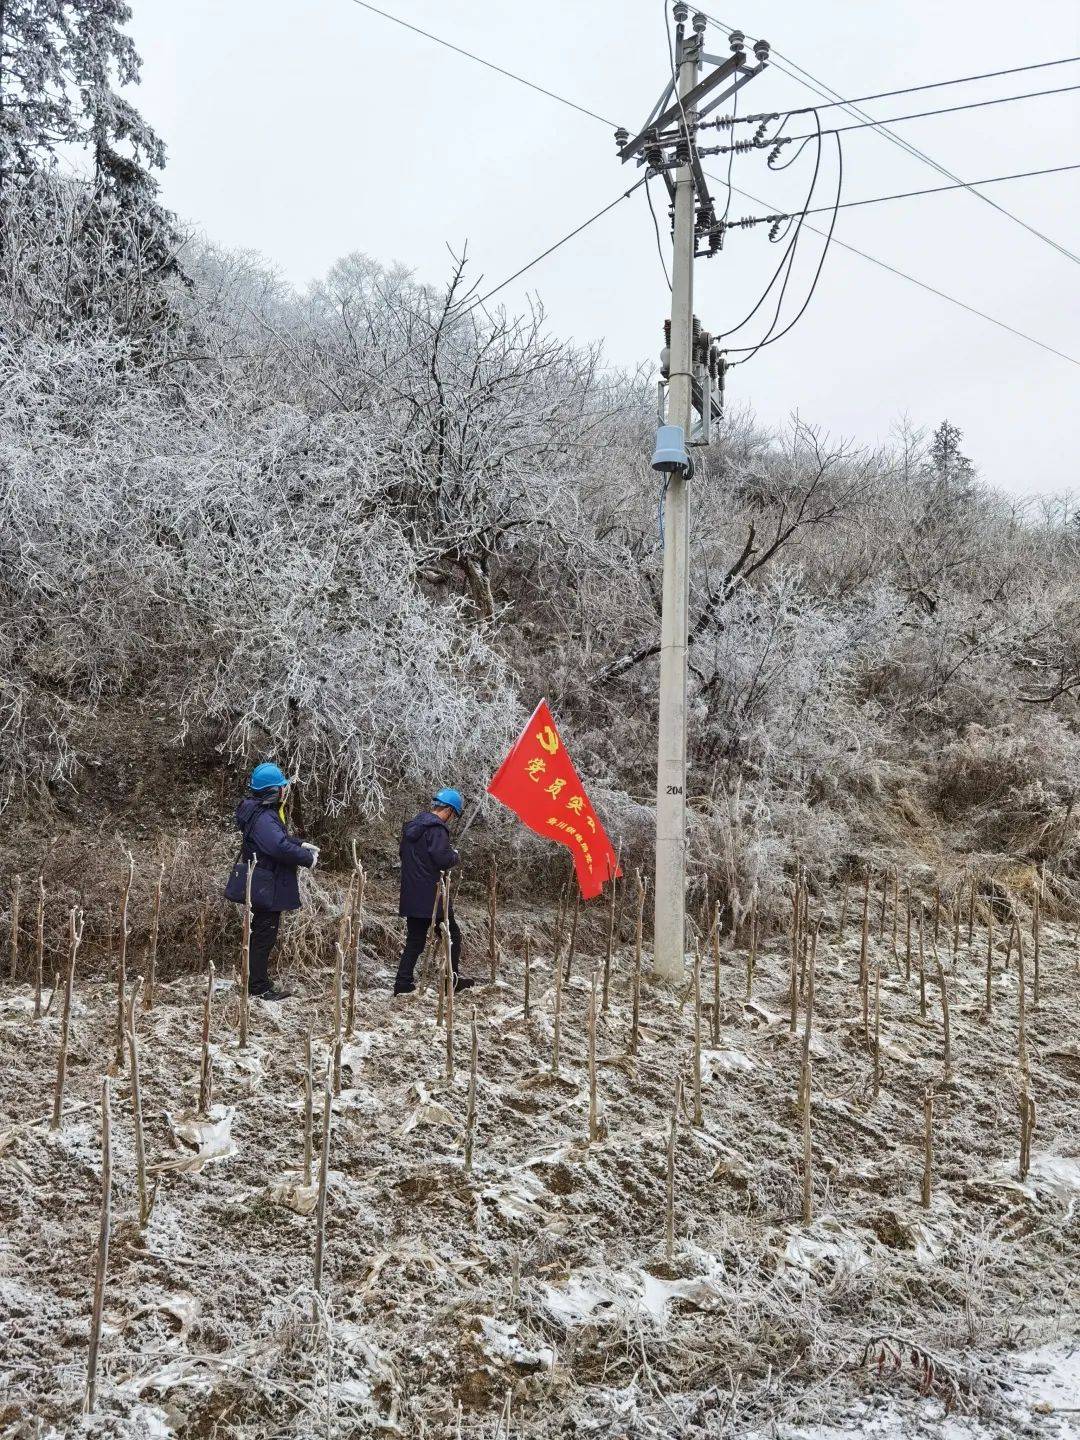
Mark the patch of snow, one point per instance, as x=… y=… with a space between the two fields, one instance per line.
x=824 y=1247
x=502 y=1342
x=519 y=1197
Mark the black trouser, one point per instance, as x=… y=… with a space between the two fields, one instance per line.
x=264 y=933
x=416 y=933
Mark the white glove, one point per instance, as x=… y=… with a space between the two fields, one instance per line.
x=307 y=845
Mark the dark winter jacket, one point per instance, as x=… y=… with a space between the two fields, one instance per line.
x=425 y=850
x=274 y=885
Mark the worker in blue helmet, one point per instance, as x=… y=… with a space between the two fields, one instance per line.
x=426 y=852
x=260 y=818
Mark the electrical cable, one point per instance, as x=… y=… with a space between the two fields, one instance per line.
x=925 y=285
x=902 y=195
x=731 y=159
x=558 y=244
x=656 y=227
x=914 y=89
x=551 y=94
x=785 y=260
x=919 y=115
x=770 y=338
x=809 y=81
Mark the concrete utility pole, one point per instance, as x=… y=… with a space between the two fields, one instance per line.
x=667 y=144
x=669 y=922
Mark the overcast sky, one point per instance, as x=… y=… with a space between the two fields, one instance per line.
x=306 y=129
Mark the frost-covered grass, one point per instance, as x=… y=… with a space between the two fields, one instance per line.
x=538 y=1287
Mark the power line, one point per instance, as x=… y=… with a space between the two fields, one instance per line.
x=488 y=64
x=893 y=119
x=558 y=244
x=914 y=89
x=787 y=259
x=923 y=285
x=810 y=82
x=901 y=195
x=771 y=338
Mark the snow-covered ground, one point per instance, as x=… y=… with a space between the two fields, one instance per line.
x=535 y=1296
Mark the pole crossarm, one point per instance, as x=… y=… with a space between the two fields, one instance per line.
x=689 y=100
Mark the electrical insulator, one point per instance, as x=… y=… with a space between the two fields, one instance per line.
x=761 y=51
x=759 y=133
x=774 y=228
x=680 y=11
x=667 y=332
x=699 y=23
x=665 y=362
x=774 y=153
x=737 y=40
x=621 y=137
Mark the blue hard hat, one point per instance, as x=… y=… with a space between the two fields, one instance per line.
x=451 y=798
x=267 y=777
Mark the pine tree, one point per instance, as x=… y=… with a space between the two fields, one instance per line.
x=62 y=64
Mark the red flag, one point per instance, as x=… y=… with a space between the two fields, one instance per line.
x=537 y=780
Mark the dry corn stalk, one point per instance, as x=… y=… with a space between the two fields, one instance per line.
x=1036 y=939
x=309 y=1105
x=206 y=1066
x=945 y=1021
x=155 y=930
x=448 y=974
x=324 y=1171
x=146 y=1198
x=669 y=1211
x=339 y=1019
x=16 y=895
x=699 y=1118
x=715 y=938
x=102 y=1265
x=75 y=929
x=806 y=1086
x=39 y=965
x=245 y=956
x=864 y=964
x=121 y=964
x=556 y=1033
x=528 y=971
x=594 y=1109
x=928 y=1147
x=609 y=953
x=922 y=967
x=907 y=955
x=635 y=995
x=356 y=940
x=470 y=1108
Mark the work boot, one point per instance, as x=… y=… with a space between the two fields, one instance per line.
x=404 y=989
x=271 y=994
x=463 y=982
